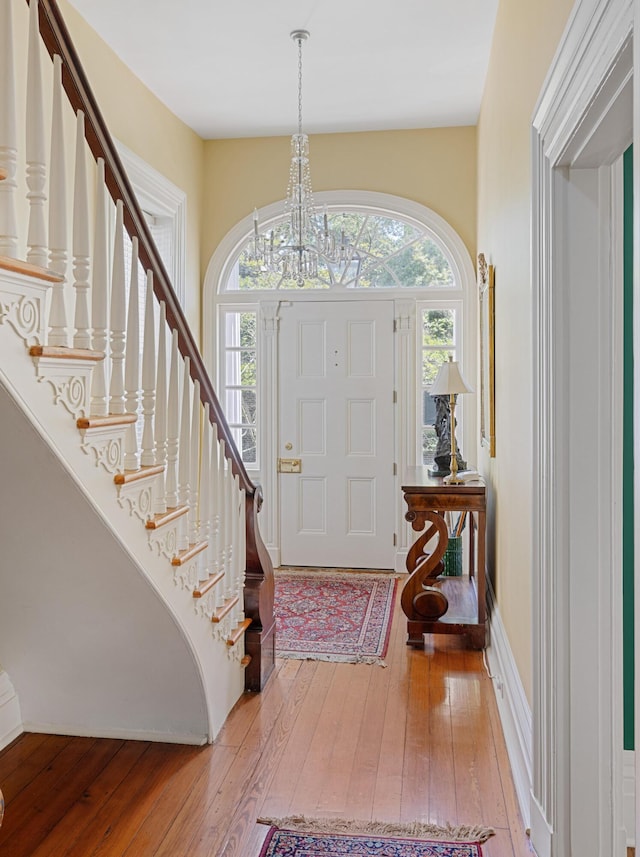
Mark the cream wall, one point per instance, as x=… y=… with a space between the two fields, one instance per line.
x=525 y=39
x=140 y=121
x=436 y=167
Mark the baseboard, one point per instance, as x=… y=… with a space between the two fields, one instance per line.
x=541 y=832
x=515 y=713
x=629 y=796
x=121 y=734
x=10 y=718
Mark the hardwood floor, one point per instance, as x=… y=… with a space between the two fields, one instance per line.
x=418 y=740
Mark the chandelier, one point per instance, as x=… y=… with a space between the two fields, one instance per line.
x=305 y=238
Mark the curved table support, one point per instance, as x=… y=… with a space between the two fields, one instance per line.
x=427 y=599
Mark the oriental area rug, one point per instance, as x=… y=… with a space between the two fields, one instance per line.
x=333 y=616
x=298 y=837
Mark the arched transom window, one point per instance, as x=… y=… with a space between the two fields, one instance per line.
x=389 y=253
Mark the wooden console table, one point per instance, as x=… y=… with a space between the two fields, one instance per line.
x=444 y=605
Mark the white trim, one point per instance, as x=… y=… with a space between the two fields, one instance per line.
x=10 y=718
x=629 y=797
x=577 y=781
x=515 y=713
x=161 y=197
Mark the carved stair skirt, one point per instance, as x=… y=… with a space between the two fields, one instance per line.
x=183 y=478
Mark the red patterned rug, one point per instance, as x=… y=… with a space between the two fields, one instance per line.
x=298 y=841
x=333 y=616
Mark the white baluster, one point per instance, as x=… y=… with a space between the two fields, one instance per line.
x=58 y=333
x=222 y=547
x=203 y=498
x=8 y=143
x=148 y=377
x=132 y=364
x=195 y=460
x=100 y=296
x=214 y=513
x=235 y=531
x=161 y=407
x=35 y=148
x=184 y=454
x=81 y=251
x=173 y=424
x=229 y=515
x=118 y=319
x=242 y=549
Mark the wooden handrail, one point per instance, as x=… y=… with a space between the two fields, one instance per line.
x=57 y=39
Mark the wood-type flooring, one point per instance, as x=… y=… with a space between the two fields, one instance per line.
x=419 y=739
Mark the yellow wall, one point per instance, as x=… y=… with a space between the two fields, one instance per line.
x=525 y=40
x=436 y=167
x=140 y=121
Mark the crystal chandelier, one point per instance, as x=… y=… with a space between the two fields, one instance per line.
x=306 y=238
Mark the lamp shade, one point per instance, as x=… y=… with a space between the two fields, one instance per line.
x=449 y=381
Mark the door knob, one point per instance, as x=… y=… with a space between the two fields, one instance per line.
x=288 y=446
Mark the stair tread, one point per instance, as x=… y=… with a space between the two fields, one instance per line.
x=3 y=174
x=128 y=476
x=228 y=605
x=233 y=638
x=207 y=585
x=17 y=266
x=106 y=421
x=193 y=550
x=61 y=352
x=163 y=518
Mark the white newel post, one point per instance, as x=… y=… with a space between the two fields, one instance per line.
x=132 y=364
x=81 y=250
x=173 y=424
x=204 y=494
x=195 y=459
x=161 y=408
x=58 y=238
x=118 y=317
x=148 y=377
x=37 y=253
x=8 y=143
x=100 y=296
x=184 y=454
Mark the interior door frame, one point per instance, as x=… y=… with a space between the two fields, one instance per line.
x=584 y=120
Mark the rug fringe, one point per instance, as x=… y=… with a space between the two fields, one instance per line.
x=371 y=660
x=415 y=829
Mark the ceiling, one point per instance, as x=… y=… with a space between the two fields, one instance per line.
x=229 y=69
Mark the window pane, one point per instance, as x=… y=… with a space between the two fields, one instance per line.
x=438 y=327
x=249 y=447
x=240 y=380
x=429 y=442
x=432 y=360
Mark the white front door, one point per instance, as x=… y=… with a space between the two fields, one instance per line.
x=336 y=416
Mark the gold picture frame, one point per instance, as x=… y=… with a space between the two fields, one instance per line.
x=486 y=294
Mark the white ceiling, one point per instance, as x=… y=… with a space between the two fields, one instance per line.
x=229 y=69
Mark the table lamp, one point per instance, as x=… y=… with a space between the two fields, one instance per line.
x=449 y=382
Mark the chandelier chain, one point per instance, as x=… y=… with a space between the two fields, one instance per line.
x=299 y=86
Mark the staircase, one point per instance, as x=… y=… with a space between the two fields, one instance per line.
x=136 y=595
